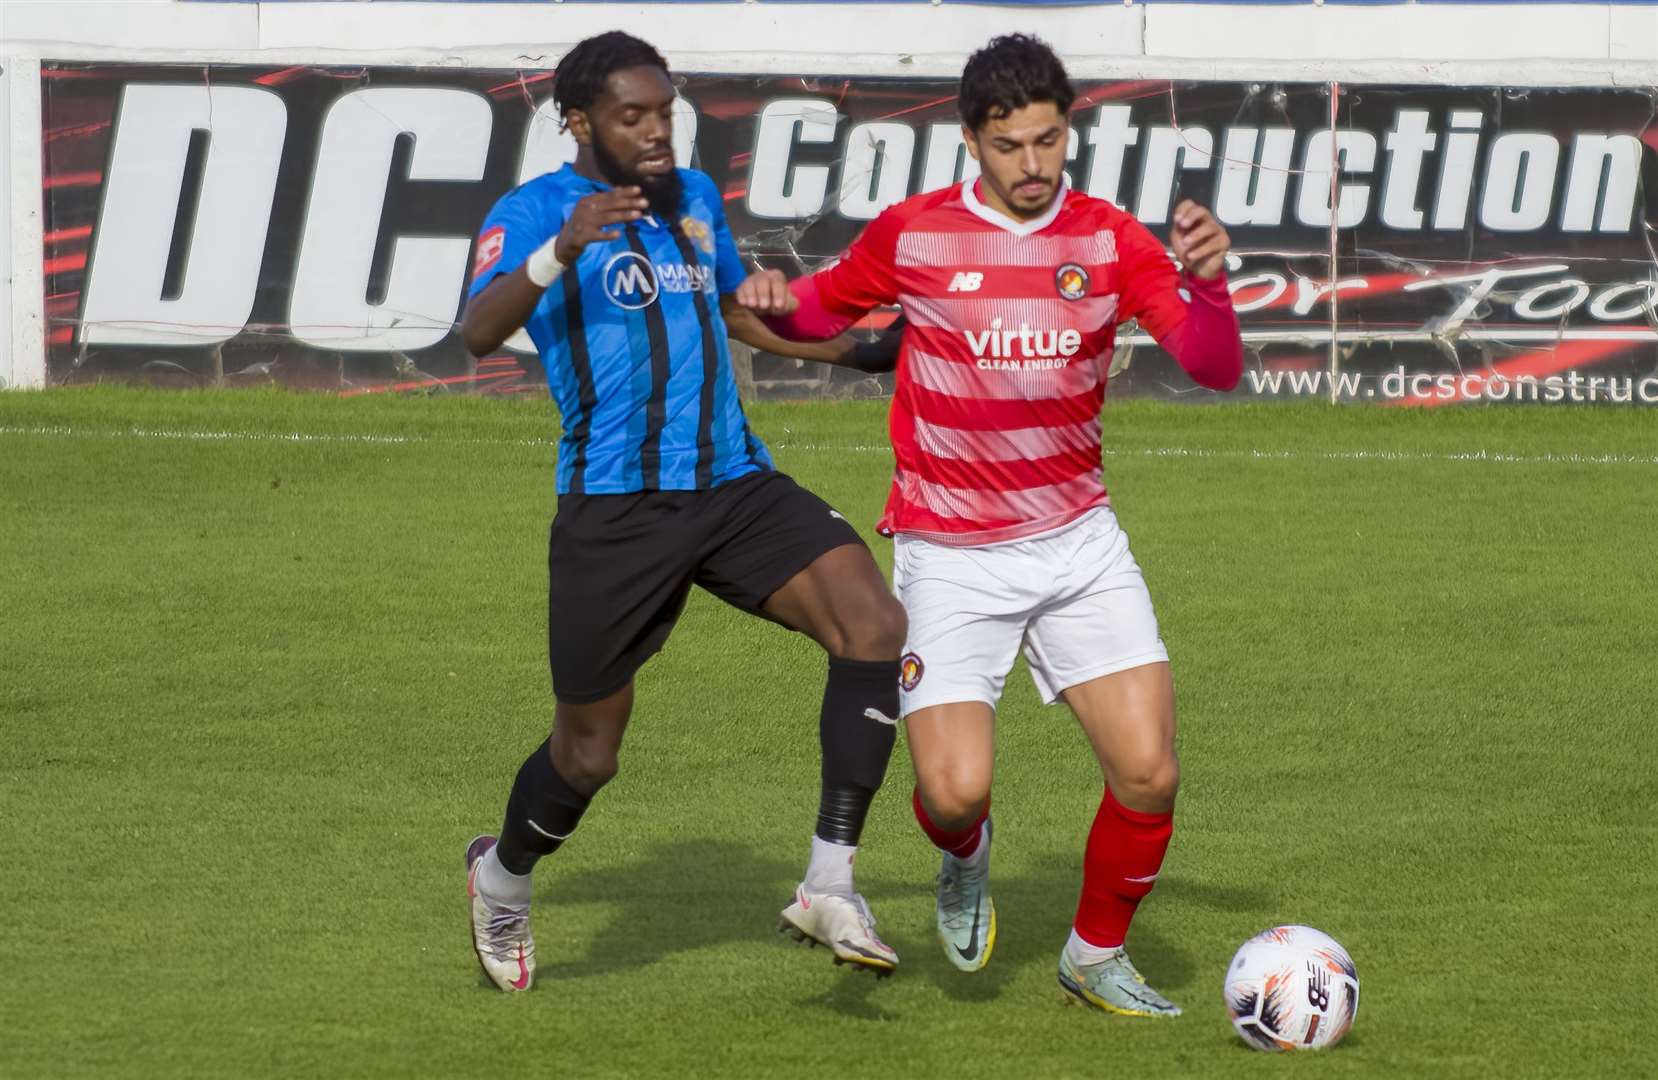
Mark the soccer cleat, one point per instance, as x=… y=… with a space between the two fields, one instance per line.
x=500 y=933
x=966 y=914
x=1112 y=985
x=842 y=923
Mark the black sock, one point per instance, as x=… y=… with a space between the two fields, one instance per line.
x=542 y=812
x=856 y=745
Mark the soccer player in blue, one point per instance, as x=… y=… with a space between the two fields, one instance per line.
x=622 y=268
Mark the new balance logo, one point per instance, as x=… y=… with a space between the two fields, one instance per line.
x=966 y=282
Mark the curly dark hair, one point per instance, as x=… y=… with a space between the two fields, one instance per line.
x=581 y=74
x=1011 y=72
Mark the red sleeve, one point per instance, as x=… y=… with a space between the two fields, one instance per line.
x=811 y=321
x=866 y=276
x=1192 y=319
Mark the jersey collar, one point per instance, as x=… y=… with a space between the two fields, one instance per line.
x=970 y=198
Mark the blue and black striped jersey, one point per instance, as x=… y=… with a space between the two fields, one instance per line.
x=632 y=339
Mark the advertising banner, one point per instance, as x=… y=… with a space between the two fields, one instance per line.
x=315 y=225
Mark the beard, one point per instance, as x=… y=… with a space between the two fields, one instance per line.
x=662 y=192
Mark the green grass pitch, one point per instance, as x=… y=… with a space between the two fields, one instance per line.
x=270 y=661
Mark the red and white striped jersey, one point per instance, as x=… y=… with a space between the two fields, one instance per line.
x=995 y=423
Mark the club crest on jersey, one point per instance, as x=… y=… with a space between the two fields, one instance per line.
x=910 y=670
x=1072 y=281
x=697 y=231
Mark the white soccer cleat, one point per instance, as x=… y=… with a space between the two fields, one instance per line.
x=842 y=923
x=500 y=932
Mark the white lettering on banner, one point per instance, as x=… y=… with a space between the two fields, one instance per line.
x=1483 y=284
x=548 y=147
x=1456 y=171
x=948 y=161
x=778 y=188
x=226 y=241
x=329 y=307
x=1409 y=140
x=1111 y=136
x=876 y=172
x=1604 y=173
x=1602 y=309
x=1519 y=181
x=1241 y=171
x=1168 y=150
x=1356 y=152
x=1529 y=305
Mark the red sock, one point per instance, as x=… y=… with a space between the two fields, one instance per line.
x=1125 y=852
x=961 y=843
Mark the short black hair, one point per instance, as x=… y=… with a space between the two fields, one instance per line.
x=583 y=71
x=1011 y=72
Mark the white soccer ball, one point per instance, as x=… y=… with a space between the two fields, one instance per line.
x=1292 y=988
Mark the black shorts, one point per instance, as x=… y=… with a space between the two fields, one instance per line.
x=621 y=566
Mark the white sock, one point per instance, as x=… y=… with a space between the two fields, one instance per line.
x=830 y=870
x=499 y=885
x=1082 y=954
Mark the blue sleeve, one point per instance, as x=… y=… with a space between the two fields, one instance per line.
x=517 y=225
x=729 y=269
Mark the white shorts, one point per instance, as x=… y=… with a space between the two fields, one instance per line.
x=1073 y=598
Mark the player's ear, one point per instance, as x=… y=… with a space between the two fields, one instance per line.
x=971 y=138
x=579 y=126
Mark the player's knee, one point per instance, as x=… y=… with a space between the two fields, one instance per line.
x=875 y=631
x=1149 y=785
x=953 y=802
x=586 y=764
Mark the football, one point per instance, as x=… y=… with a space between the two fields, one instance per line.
x=1292 y=988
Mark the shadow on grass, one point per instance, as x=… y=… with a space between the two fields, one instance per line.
x=685 y=896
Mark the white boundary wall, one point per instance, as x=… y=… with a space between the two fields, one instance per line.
x=1529 y=45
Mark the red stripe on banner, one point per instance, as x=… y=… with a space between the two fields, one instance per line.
x=58 y=236
x=1120 y=92
x=74 y=130
x=64 y=264
x=277 y=78
x=522 y=80
x=74 y=179
x=917 y=108
x=1379 y=285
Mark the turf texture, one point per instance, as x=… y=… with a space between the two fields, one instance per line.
x=269 y=661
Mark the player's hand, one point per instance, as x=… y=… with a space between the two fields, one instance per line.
x=590 y=222
x=767 y=293
x=1199 y=241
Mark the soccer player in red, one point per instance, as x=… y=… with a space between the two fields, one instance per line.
x=1013 y=287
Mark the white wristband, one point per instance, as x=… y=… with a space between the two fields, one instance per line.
x=543 y=267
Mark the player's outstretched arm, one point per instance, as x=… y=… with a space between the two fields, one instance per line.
x=1201 y=332
x=507 y=302
x=843 y=350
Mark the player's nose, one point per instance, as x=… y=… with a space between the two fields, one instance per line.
x=657 y=132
